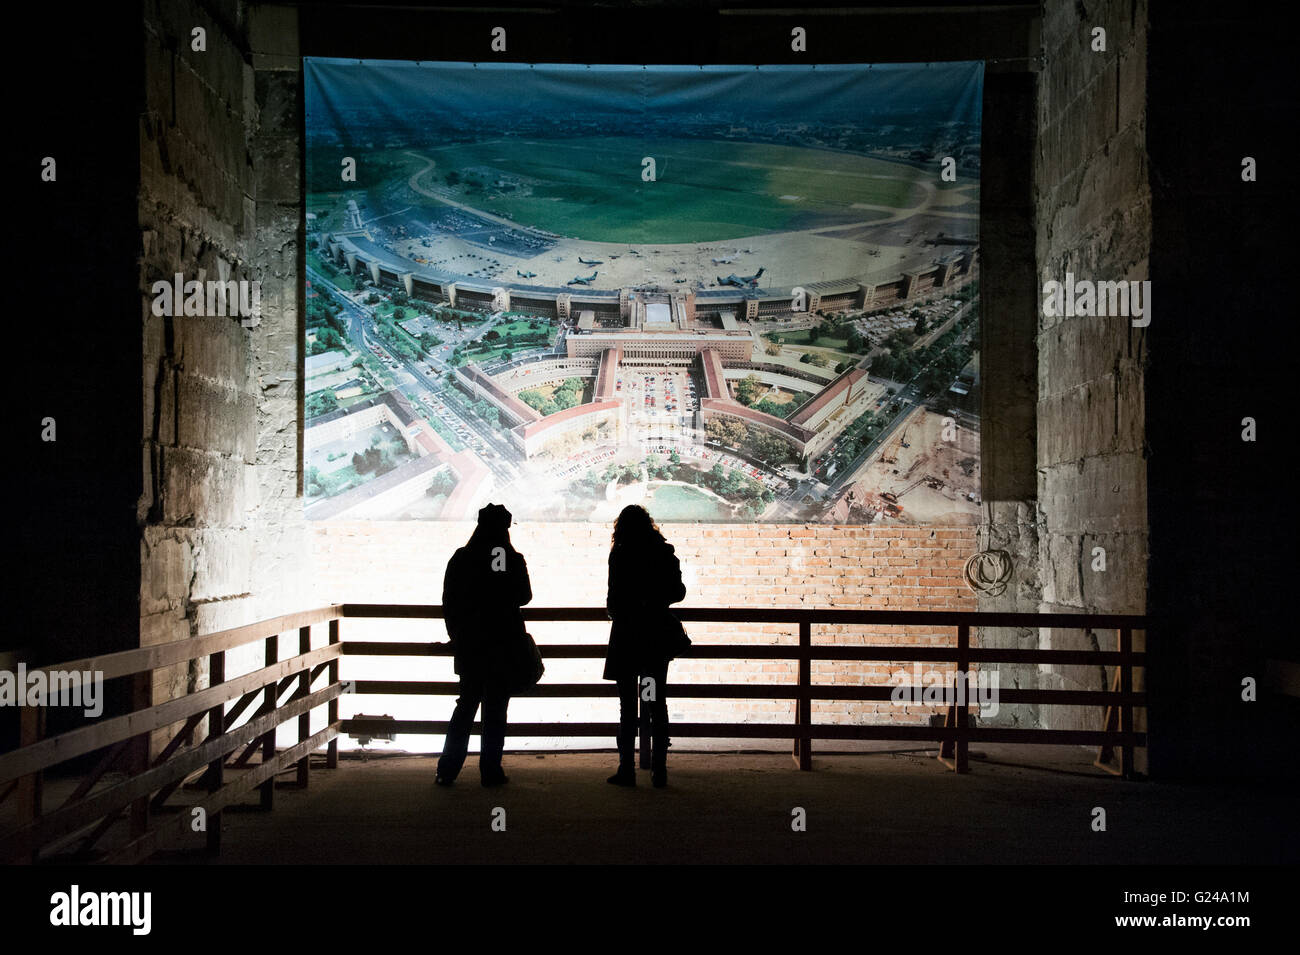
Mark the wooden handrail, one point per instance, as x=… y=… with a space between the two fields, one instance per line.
x=782 y=651
x=940 y=618
x=129 y=733
x=145 y=659
x=55 y=749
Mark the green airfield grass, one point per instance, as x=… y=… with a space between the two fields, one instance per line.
x=705 y=190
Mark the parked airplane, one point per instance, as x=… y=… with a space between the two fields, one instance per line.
x=591 y=261
x=741 y=281
x=526 y=275
x=727 y=261
x=579 y=280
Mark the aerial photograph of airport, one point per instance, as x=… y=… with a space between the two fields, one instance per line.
x=726 y=293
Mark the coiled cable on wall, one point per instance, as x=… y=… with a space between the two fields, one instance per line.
x=988 y=572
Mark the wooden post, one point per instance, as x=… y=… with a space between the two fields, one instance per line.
x=1126 y=709
x=962 y=702
x=141 y=700
x=946 y=748
x=332 y=751
x=643 y=708
x=304 y=721
x=1109 y=724
x=217 y=768
x=31 y=788
x=803 y=701
x=266 y=790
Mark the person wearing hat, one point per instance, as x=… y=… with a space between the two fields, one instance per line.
x=485 y=585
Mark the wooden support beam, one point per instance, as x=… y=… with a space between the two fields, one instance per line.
x=172 y=830
x=332 y=717
x=180 y=739
x=104 y=765
x=304 y=721
x=112 y=799
x=803 y=700
x=141 y=699
x=961 y=762
x=216 y=774
x=53 y=750
x=267 y=791
x=1126 y=709
x=31 y=726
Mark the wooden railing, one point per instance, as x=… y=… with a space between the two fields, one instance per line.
x=124 y=741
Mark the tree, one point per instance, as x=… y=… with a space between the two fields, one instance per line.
x=321 y=402
x=919 y=327
x=770 y=447
x=534 y=399
x=443 y=483
x=855 y=341
x=747 y=389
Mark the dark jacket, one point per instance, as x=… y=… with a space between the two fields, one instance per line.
x=481 y=608
x=645 y=634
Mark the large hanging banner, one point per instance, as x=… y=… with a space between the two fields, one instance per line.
x=726 y=293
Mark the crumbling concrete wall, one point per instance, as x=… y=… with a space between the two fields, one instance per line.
x=1093 y=219
x=1009 y=374
x=218 y=200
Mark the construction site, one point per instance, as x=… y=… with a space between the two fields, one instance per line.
x=927 y=472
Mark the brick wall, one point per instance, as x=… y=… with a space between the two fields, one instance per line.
x=759 y=566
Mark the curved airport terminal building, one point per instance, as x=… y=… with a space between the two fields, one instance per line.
x=712 y=333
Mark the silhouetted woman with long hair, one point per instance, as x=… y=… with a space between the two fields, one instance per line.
x=645 y=577
x=486 y=584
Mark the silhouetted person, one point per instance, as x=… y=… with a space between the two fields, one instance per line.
x=644 y=578
x=485 y=585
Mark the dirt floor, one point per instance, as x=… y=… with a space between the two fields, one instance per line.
x=929 y=457
x=886 y=807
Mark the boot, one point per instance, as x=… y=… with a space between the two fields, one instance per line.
x=626 y=775
x=659 y=763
